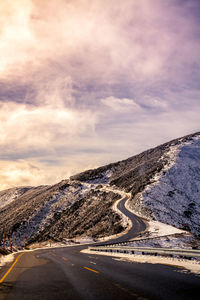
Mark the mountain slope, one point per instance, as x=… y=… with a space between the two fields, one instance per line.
x=163 y=183
x=10 y=195
x=134 y=173
x=174 y=198
x=64 y=210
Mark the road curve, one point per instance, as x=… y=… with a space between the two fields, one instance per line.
x=138 y=225
x=66 y=273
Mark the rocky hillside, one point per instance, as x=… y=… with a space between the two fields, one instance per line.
x=64 y=210
x=164 y=183
x=10 y=195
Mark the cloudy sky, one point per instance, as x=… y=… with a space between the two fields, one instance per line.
x=88 y=82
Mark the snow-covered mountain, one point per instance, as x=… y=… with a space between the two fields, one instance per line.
x=163 y=184
x=174 y=194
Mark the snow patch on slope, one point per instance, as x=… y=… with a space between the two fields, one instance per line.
x=174 y=195
x=10 y=195
x=102 y=179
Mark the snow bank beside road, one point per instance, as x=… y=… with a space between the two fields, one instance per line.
x=4 y=259
x=160 y=229
x=181 y=264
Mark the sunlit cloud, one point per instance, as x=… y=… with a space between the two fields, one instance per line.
x=121 y=105
x=26 y=127
x=79 y=77
x=19 y=173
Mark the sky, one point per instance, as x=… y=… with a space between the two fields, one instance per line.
x=87 y=82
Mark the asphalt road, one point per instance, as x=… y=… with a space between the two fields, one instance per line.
x=138 y=225
x=66 y=273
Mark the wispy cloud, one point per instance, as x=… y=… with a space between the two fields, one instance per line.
x=121 y=105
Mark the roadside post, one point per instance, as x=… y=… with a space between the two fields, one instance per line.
x=24 y=243
x=11 y=243
x=4 y=241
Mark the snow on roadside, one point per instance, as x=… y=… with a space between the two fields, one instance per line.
x=157 y=228
x=4 y=259
x=116 y=190
x=182 y=265
x=84 y=240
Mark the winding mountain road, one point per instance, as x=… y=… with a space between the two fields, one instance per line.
x=67 y=273
x=138 y=225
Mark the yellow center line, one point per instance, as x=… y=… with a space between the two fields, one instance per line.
x=2 y=279
x=64 y=258
x=91 y=270
x=173 y=266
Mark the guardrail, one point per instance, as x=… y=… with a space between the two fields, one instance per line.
x=182 y=253
x=143 y=239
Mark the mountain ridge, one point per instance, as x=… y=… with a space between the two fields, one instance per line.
x=80 y=206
